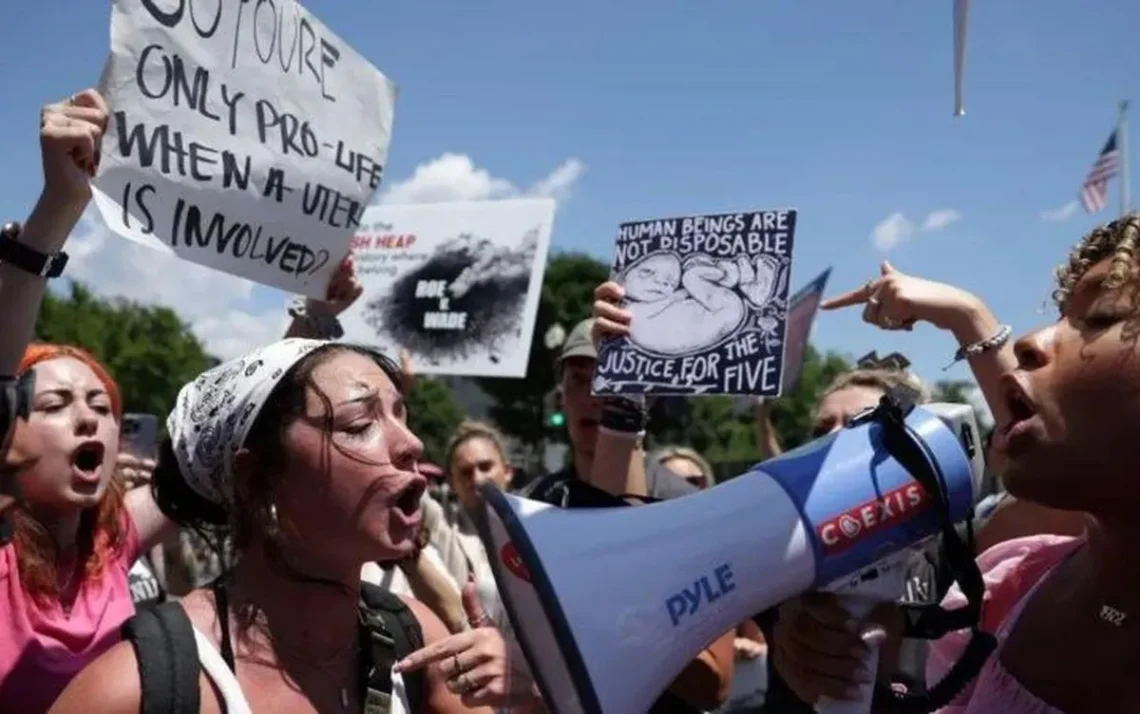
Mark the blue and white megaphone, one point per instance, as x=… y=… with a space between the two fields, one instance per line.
x=610 y=604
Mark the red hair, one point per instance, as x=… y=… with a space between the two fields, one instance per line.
x=102 y=530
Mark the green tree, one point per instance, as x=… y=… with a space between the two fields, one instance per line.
x=433 y=416
x=567 y=296
x=149 y=350
x=953 y=391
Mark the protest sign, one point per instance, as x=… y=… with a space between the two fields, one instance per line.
x=709 y=298
x=244 y=136
x=455 y=284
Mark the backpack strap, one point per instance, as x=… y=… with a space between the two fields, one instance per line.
x=167 y=654
x=390 y=632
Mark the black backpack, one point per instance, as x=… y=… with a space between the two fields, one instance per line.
x=163 y=639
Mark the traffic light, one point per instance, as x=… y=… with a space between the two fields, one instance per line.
x=553 y=416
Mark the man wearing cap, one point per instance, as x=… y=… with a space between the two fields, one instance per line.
x=605 y=438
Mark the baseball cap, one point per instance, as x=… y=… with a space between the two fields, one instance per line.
x=578 y=342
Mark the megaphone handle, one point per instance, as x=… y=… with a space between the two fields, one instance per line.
x=858 y=607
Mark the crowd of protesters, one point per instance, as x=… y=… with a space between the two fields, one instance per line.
x=300 y=562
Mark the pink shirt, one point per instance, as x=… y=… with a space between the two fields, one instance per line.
x=1012 y=571
x=41 y=648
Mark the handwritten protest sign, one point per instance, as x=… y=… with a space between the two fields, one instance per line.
x=709 y=297
x=245 y=136
x=456 y=284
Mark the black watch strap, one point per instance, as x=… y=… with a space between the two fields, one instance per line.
x=30 y=260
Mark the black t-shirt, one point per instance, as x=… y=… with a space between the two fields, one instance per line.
x=661 y=483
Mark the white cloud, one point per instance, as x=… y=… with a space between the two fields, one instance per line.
x=897 y=228
x=894 y=229
x=454 y=177
x=228 y=313
x=937 y=220
x=1063 y=213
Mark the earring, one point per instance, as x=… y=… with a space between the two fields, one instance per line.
x=273 y=525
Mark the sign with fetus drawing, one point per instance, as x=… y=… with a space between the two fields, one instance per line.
x=709 y=300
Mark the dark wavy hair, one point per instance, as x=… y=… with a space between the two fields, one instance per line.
x=231 y=530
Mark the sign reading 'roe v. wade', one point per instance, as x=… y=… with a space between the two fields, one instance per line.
x=244 y=136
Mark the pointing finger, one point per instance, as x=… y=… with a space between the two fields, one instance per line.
x=435 y=652
x=854 y=297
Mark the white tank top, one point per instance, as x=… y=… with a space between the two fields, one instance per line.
x=234 y=699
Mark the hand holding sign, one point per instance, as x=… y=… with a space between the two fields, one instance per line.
x=896 y=301
x=70 y=134
x=610 y=319
x=344 y=289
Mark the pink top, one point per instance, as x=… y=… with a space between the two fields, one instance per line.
x=41 y=648
x=1012 y=571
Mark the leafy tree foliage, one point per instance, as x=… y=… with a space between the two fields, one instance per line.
x=433 y=416
x=953 y=391
x=567 y=297
x=149 y=350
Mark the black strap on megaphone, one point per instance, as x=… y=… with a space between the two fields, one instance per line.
x=933 y=621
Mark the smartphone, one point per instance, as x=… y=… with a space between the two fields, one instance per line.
x=139 y=435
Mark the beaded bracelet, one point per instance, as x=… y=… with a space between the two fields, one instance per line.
x=994 y=342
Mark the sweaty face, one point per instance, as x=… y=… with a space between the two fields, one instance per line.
x=475 y=462
x=837 y=408
x=1075 y=404
x=71 y=436
x=352 y=495
x=583 y=411
x=688 y=470
x=654 y=278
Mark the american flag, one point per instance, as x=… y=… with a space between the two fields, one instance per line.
x=1094 y=191
x=801 y=314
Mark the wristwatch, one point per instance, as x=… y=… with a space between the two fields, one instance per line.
x=30 y=260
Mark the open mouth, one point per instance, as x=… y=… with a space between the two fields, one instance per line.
x=409 y=500
x=1017 y=402
x=88 y=457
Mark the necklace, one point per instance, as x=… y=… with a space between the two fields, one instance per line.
x=1113 y=616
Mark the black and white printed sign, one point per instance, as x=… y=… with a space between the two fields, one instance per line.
x=709 y=297
x=245 y=136
x=457 y=285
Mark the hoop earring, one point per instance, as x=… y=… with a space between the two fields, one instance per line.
x=274 y=525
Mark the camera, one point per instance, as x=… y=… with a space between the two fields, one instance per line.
x=16 y=395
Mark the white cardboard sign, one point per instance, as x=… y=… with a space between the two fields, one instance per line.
x=455 y=284
x=244 y=136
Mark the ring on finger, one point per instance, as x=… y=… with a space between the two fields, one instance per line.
x=463 y=684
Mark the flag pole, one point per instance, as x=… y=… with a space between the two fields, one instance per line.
x=1122 y=141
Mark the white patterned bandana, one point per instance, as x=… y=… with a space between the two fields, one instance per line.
x=213 y=414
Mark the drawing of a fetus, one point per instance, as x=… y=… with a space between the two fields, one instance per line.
x=678 y=309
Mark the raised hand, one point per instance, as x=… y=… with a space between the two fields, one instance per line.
x=610 y=319
x=896 y=301
x=344 y=288
x=71 y=133
x=133 y=470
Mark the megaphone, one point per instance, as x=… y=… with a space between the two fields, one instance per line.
x=610 y=604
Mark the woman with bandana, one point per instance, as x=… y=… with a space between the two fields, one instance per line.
x=301 y=455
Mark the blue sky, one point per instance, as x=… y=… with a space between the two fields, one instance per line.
x=840 y=109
